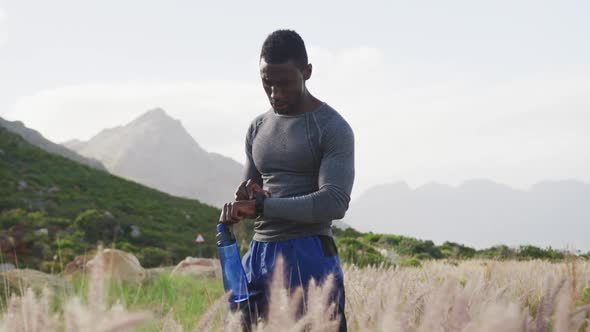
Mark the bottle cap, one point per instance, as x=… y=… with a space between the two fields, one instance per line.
x=221 y=228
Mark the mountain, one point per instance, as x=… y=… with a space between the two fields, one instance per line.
x=479 y=213
x=52 y=207
x=157 y=151
x=38 y=140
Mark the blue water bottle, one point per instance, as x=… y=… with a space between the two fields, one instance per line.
x=234 y=277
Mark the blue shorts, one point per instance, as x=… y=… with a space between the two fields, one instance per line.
x=304 y=258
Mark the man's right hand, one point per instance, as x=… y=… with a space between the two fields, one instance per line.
x=248 y=190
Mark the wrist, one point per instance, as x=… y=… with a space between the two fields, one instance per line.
x=259 y=204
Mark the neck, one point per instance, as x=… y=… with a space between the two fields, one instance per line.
x=309 y=103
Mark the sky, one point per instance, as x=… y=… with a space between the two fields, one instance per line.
x=435 y=91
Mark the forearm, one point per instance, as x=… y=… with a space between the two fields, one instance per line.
x=327 y=204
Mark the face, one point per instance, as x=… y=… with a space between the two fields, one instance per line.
x=284 y=85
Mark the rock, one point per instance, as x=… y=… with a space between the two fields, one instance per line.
x=389 y=254
x=22 y=185
x=77 y=264
x=19 y=279
x=198 y=266
x=7 y=267
x=53 y=189
x=135 y=231
x=7 y=243
x=156 y=272
x=42 y=231
x=119 y=265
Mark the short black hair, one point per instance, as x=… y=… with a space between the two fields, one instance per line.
x=282 y=46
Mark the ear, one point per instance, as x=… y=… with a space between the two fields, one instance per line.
x=307 y=72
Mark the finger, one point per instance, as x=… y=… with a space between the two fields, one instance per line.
x=241 y=192
x=254 y=189
x=222 y=217
x=227 y=219
x=249 y=185
x=233 y=213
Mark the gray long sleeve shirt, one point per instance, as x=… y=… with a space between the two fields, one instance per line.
x=306 y=162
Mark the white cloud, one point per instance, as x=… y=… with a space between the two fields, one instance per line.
x=416 y=122
x=3 y=30
x=420 y=122
x=215 y=113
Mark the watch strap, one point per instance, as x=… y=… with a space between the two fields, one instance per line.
x=259 y=204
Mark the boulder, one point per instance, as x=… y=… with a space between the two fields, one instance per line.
x=198 y=266
x=7 y=267
x=119 y=265
x=135 y=231
x=42 y=231
x=20 y=279
x=77 y=264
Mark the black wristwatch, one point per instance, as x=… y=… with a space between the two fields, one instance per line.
x=259 y=205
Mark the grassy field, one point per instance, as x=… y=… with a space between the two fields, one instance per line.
x=88 y=302
x=185 y=298
x=443 y=295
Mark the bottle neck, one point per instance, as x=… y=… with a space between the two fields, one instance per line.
x=225 y=236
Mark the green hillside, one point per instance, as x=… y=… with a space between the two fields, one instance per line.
x=52 y=209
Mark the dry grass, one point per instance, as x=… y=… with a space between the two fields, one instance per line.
x=463 y=296
x=472 y=296
x=29 y=313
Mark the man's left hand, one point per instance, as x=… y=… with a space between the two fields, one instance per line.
x=234 y=212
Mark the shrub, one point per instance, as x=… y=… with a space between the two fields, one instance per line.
x=355 y=252
x=12 y=217
x=98 y=226
x=410 y=262
x=153 y=257
x=457 y=251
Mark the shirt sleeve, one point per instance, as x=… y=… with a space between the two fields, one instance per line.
x=250 y=170
x=335 y=181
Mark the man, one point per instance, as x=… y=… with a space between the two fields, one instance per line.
x=298 y=177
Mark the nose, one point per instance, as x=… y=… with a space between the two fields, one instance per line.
x=276 y=93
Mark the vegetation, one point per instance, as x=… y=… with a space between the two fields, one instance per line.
x=52 y=209
x=185 y=298
x=469 y=295
x=364 y=249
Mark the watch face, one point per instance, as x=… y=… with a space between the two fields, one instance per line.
x=259 y=205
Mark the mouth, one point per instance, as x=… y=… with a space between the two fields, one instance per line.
x=279 y=106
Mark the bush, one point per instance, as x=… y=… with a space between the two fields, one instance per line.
x=412 y=247
x=353 y=251
x=50 y=266
x=423 y=256
x=349 y=232
x=585 y=298
x=500 y=252
x=154 y=257
x=126 y=246
x=12 y=217
x=532 y=252
x=456 y=251
x=391 y=240
x=410 y=262
x=98 y=226
x=372 y=238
